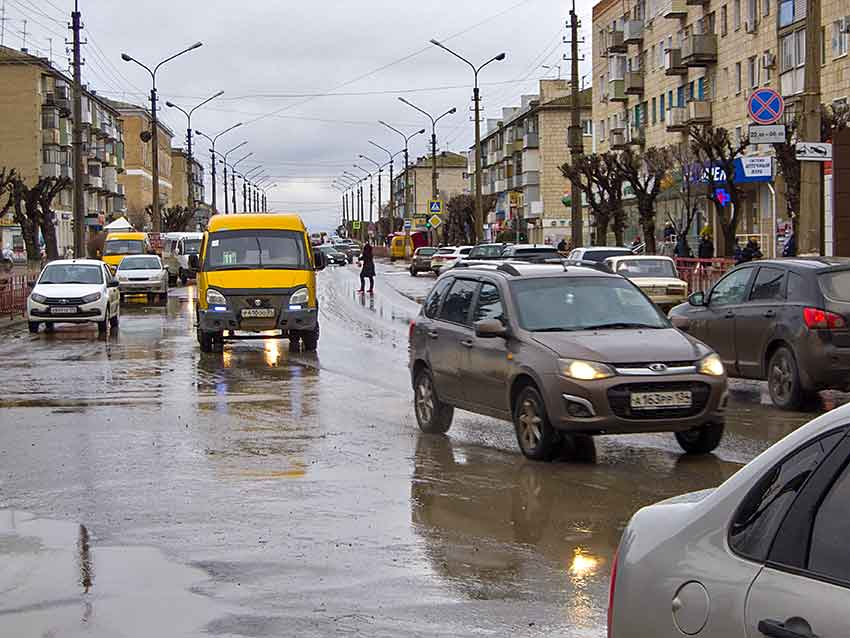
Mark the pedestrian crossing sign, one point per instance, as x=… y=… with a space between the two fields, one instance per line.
x=435 y=206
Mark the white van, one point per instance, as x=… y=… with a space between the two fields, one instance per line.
x=176 y=248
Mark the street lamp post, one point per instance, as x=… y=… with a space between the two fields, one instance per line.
x=190 y=169
x=212 y=141
x=359 y=201
x=371 y=191
x=233 y=178
x=224 y=161
x=476 y=97
x=247 y=189
x=407 y=138
x=391 y=164
x=155 y=211
x=435 y=191
x=380 y=176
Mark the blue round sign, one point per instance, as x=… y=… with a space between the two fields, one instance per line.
x=765 y=106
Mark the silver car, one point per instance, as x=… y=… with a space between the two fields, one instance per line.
x=764 y=554
x=143 y=275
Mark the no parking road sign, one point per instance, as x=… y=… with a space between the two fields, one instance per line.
x=765 y=106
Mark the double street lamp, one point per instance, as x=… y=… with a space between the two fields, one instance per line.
x=190 y=169
x=212 y=141
x=435 y=191
x=247 y=199
x=233 y=178
x=476 y=97
x=155 y=211
x=380 y=176
x=224 y=157
x=406 y=138
x=391 y=164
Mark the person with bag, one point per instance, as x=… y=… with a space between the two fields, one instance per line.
x=367 y=270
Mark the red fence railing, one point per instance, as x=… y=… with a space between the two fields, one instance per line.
x=14 y=291
x=702 y=274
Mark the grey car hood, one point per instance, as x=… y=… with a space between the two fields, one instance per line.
x=624 y=346
x=688 y=499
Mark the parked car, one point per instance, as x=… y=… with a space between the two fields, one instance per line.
x=783 y=320
x=560 y=352
x=74 y=291
x=487 y=251
x=421 y=261
x=598 y=253
x=764 y=554
x=448 y=257
x=333 y=255
x=530 y=252
x=143 y=275
x=656 y=276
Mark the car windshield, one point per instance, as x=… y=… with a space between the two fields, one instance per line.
x=257 y=249
x=647 y=268
x=425 y=252
x=191 y=246
x=486 y=252
x=139 y=263
x=836 y=286
x=602 y=255
x=71 y=274
x=556 y=304
x=124 y=247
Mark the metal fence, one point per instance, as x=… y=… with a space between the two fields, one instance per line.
x=702 y=274
x=13 y=295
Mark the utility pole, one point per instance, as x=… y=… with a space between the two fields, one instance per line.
x=233 y=189
x=574 y=136
x=811 y=222
x=3 y=24
x=226 y=200
x=79 y=206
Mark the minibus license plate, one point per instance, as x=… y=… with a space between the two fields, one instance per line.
x=258 y=313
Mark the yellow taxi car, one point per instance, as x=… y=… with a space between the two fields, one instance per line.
x=655 y=275
x=257 y=274
x=119 y=245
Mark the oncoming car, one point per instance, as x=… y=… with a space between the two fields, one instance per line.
x=143 y=275
x=119 y=245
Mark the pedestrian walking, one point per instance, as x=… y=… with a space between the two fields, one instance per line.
x=751 y=251
x=705 y=249
x=790 y=248
x=562 y=245
x=367 y=270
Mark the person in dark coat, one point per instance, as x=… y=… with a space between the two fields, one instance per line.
x=705 y=249
x=751 y=251
x=790 y=248
x=562 y=245
x=367 y=271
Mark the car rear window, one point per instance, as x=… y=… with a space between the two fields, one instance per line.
x=446 y=251
x=535 y=251
x=426 y=252
x=602 y=255
x=836 y=286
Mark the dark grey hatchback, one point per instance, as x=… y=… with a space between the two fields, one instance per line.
x=783 y=320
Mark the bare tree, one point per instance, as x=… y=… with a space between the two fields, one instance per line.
x=459 y=221
x=600 y=181
x=48 y=189
x=644 y=173
x=139 y=219
x=715 y=150
x=176 y=219
x=687 y=171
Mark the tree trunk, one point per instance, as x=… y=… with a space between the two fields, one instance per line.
x=48 y=231
x=647 y=223
x=601 y=229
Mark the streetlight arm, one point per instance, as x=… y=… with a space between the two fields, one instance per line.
x=206 y=137
x=176 y=55
x=182 y=110
x=497 y=58
x=241 y=159
x=392 y=128
x=128 y=58
x=237 y=147
x=369 y=174
x=387 y=151
x=377 y=164
x=458 y=56
x=413 y=106
x=451 y=111
x=207 y=101
x=407 y=139
x=235 y=126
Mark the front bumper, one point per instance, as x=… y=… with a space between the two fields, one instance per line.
x=666 y=302
x=142 y=287
x=217 y=321
x=83 y=314
x=607 y=408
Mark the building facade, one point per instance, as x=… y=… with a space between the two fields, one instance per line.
x=35 y=140
x=663 y=66
x=451 y=181
x=522 y=154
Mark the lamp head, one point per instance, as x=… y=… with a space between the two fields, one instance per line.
x=126 y=57
x=436 y=42
x=197 y=45
x=453 y=111
x=420 y=132
x=219 y=94
x=169 y=105
x=501 y=57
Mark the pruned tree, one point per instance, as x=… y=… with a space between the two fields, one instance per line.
x=32 y=210
x=644 y=173
x=459 y=220
x=687 y=171
x=140 y=219
x=598 y=178
x=176 y=219
x=48 y=189
x=716 y=151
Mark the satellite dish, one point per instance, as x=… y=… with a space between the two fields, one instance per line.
x=145 y=136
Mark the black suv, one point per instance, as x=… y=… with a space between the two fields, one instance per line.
x=560 y=350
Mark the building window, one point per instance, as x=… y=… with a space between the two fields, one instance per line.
x=601 y=130
x=839 y=39
x=710 y=23
x=823 y=46
x=654 y=112
x=738 y=79
x=724 y=21
x=652 y=54
x=661 y=108
x=701 y=89
x=680 y=96
x=736 y=14
x=587 y=127
x=670 y=98
x=789 y=13
x=753 y=70
x=768 y=57
x=660 y=57
x=766 y=7
x=739 y=134
x=752 y=15
x=727 y=79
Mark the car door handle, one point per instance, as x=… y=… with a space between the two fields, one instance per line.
x=467 y=343
x=729 y=315
x=769 y=314
x=792 y=628
x=433 y=334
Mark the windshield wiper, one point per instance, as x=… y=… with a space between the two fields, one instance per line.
x=235 y=267
x=556 y=329
x=623 y=325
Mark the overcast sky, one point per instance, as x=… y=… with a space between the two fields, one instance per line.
x=311 y=79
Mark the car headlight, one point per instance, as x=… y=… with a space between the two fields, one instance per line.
x=215 y=298
x=712 y=366
x=299 y=298
x=95 y=296
x=585 y=370
x=37 y=298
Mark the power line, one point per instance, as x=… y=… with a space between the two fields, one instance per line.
x=40 y=12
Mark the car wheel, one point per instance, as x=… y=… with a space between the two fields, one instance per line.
x=49 y=326
x=537 y=439
x=206 y=340
x=783 y=380
x=701 y=440
x=412 y=271
x=432 y=415
x=33 y=326
x=310 y=339
x=103 y=326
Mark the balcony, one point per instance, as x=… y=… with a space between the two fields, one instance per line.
x=51 y=170
x=110 y=180
x=67 y=171
x=633 y=33
x=617 y=91
x=634 y=83
x=93 y=181
x=676 y=119
x=531 y=140
x=696 y=3
x=518 y=145
x=676 y=10
x=50 y=136
x=516 y=181
x=618 y=140
x=616 y=42
x=500 y=185
x=531 y=178
x=638 y=136
x=673 y=63
x=699 y=50
x=699 y=112
x=492 y=158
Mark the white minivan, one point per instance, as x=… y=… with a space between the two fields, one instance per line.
x=176 y=248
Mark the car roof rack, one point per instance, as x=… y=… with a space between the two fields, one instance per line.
x=582 y=263
x=509 y=269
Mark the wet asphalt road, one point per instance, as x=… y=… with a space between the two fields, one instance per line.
x=147 y=490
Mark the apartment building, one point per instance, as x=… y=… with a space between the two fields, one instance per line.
x=137 y=178
x=451 y=181
x=522 y=154
x=35 y=140
x=662 y=66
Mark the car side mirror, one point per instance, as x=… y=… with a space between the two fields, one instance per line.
x=490 y=329
x=194 y=262
x=321 y=260
x=698 y=299
x=113 y=283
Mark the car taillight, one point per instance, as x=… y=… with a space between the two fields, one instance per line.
x=817 y=319
x=611 y=587
x=412 y=330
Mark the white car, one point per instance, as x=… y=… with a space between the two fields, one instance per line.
x=143 y=275
x=447 y=257
x=74 y=291
x=764 y=554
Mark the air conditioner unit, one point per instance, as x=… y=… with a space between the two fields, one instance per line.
x=768 y=60
x=750 y=27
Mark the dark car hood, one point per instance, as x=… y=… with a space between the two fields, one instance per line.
x=624 y=346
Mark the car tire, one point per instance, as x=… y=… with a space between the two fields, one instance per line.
x=412 y=272
x=206 y=340
x=310 y=339
x=103 y=326
x=703 y=440
x=49 y=326
x=432 y=415
x=537 y=439
x=783 y=380
x=184 y=278
x=33 y=326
